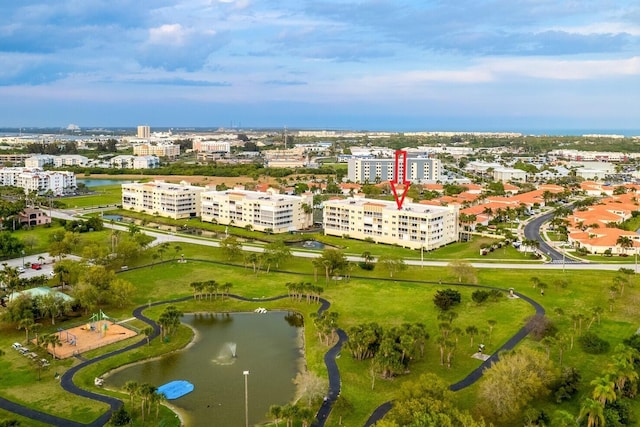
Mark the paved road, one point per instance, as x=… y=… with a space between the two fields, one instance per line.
x=532 y=231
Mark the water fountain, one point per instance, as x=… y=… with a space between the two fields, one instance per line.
x=232 y=347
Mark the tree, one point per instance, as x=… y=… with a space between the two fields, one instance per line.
x=275 y=412
x=121 y=291
x=276 y=253
x=392 y=264
x=447 y=298
x=169 y=320
x=53 y=341
x=516 y=379
x=10 y=245
x=309 y=386
x=625 y=242
x=593 y=411
x=472 y=331
x=463 y=271
x=131 y=387
x=333 y=261
x=26 y=324
x=231 y=247
x=604 y=390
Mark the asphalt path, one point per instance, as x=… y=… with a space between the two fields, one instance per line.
x=531 y=231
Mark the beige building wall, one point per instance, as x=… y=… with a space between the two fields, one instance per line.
x=415 y=226
x=177 y=201
x=268 y=211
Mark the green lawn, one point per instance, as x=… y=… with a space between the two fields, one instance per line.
x=100 y=196
x=370 y=298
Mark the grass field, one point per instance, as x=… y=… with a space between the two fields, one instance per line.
x=360 y=300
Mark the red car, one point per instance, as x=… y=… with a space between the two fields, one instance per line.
x=36 y=266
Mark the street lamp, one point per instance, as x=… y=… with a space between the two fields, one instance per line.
x=246 y=398
x=23 y=258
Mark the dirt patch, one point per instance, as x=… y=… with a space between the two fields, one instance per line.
x=196 y=180
x=88 y=337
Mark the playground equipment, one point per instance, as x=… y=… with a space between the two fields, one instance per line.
x=98 y=323
x=69 y=337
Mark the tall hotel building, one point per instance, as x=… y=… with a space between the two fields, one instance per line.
x=373 y=170
x=414 y=226
x=144 y=132
x=177 y=201
x=277 y=213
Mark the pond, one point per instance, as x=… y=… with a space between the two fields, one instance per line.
x=89 y=182
x=268 y=345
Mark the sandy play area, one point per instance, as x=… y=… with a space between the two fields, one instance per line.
x=88 y=337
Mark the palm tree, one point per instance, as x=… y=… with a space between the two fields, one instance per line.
x=563 y=419
x=52 y=340
x=625 y=242
x=593 y=411
x=275 y=412
x=472 y=331
x=131 y=387
x=26 y=324
x=604 y=390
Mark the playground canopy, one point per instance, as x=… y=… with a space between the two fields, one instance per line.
x=40 y=292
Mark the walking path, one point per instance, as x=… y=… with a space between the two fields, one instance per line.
x=476 y=374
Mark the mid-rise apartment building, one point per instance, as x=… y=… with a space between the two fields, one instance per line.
x=41 y=160
x=36 y=179
x=177 y=201
x=134 y=162
x=268 y=211
x=415 y=226
x=159 y=149
x=419 y=169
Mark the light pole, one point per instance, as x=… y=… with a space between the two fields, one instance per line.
x=246 y=398
x=422 y=256
x=23 y=258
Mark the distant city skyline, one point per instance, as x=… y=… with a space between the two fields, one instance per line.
x=503 y=65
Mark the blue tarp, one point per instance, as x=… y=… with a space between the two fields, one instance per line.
x=175 y=389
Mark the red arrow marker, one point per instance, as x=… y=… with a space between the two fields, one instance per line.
x=401 y=156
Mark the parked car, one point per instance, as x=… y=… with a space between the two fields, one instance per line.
x=36 y=266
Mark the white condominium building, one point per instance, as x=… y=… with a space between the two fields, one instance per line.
x=212 y=146
x=160 y=150
x=276 y=213
x=415 y=226
x=40 y=160
x=379 y=170
x=177 y=201
x=35 y=179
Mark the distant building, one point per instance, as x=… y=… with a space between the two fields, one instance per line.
x=416 y=226
x=161 y=150
x=134 y=162
x=419 y=169
x=503 y=174
x=144 y=132
x=270 y=211
x=42 y=160
x=212 y=146
x=177 y=201
x=38 y=180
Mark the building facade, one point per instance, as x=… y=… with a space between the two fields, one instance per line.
x=415 y=226
x=268 y=211
x=177 y=201
x=419 y=169
x=38 y=180
x=144 y=132
x=160 y=150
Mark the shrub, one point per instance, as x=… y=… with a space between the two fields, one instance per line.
x=479 y=296
x=567 y=384
x=593 y=344
x=447 y=298
x=366 y=265
x=539 y=326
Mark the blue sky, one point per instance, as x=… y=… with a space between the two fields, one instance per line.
x=368 y=64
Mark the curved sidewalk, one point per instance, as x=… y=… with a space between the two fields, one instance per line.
x=476 y=374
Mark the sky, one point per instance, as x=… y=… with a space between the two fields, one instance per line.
x=499 y=65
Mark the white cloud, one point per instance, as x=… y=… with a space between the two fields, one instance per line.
x=555 y=69
x=168 y=34
x=601 y=28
